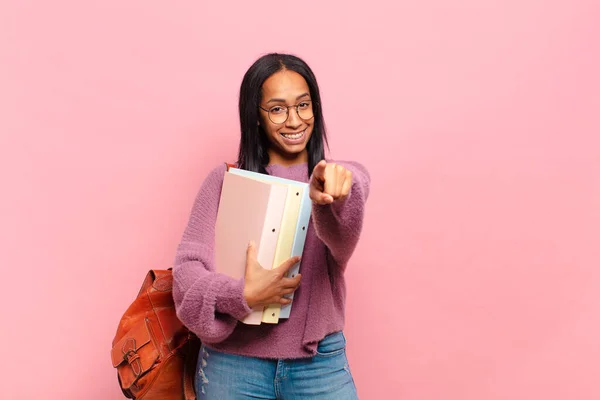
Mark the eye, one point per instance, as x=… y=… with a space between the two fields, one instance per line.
x=304 y=105
x=277 y=110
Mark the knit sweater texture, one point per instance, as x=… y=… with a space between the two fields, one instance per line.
x=211 y=304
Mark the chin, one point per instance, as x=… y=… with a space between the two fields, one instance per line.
x=293 y=149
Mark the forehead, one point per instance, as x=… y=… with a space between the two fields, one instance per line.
x=284 y=85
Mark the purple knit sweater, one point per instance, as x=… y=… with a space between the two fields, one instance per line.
x=210 y=304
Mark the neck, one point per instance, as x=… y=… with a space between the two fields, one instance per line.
x=287 y=160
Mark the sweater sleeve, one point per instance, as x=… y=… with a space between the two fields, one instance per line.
x=208 y=303
x=339 y=224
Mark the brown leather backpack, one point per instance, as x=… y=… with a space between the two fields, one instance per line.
x=154 y=353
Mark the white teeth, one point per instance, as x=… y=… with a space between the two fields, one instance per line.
x=293 y=136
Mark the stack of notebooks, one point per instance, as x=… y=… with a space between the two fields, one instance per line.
x=273 y=212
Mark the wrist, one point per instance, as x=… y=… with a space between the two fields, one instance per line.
x=249 y=298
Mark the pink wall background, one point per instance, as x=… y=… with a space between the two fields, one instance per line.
x=478 y=273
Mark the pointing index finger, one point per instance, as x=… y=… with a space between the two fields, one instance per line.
x=319 y=170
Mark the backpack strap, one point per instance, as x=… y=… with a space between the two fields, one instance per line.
x=191 y=354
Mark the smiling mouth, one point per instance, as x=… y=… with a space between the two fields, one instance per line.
x=293 y=136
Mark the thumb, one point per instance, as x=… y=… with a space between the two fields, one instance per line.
x=251 y=251
x=318 y=197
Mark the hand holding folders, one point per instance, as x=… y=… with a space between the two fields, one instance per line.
x=274 y=213
x=262 y=286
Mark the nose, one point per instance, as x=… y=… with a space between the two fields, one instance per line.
x=293 y=120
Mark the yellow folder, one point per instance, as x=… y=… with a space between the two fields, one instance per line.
x=285 y=242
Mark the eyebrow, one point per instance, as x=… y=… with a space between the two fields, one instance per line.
x=283 y=101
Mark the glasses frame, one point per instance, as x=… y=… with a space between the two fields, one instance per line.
x=287 y=111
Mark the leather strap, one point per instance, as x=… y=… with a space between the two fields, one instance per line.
x=189 y=367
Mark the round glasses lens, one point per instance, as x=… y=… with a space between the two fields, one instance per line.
x=278 y=115
x=305 y=111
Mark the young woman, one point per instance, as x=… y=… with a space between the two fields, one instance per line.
x=303 y=357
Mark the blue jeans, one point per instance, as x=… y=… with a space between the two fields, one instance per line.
x=222 y=376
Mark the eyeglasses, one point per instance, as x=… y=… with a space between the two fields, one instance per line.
x=280 y=114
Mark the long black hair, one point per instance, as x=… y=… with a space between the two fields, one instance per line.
x=253 y=155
